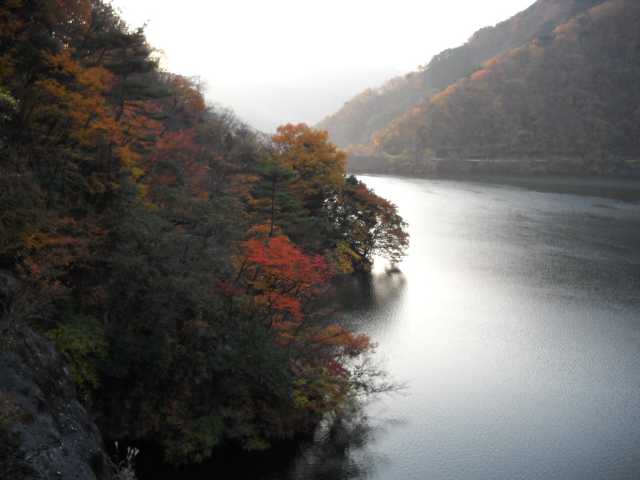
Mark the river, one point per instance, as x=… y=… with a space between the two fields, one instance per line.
x=515 y=324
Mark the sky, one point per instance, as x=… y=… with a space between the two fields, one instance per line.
x=281 y=61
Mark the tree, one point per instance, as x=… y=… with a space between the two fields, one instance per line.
x=153 y=233
x=369 y=224
x=275 y=205
x=319 y=165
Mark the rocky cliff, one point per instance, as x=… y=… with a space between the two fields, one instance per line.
x=45 y=433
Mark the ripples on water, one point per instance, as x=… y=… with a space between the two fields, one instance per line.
x=516 y=324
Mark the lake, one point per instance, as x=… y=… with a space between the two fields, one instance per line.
x=515 y=324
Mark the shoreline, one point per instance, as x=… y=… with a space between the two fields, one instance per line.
x=622 y=188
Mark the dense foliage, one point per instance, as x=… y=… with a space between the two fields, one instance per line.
x=569 y=94
x=359 y=119
x=176 y=257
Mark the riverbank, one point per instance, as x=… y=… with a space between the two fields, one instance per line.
x=552 y=168
x=614 y=187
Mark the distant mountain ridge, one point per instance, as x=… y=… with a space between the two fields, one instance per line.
x=357 y=121
x=564 y=100
x=564 y=103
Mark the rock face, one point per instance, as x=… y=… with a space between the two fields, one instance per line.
x=45 y=433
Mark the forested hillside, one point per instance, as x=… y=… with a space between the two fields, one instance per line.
x=374 y=109
x=565 y=102
x=175 y=257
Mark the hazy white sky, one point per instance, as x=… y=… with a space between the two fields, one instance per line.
x=301 y=59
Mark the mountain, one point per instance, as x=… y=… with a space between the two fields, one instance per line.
x=357 y=121
x=566 y=102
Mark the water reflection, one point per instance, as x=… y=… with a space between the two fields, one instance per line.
x=340 y=449
x=368 y=301
x=515 y=322
x=517 y=329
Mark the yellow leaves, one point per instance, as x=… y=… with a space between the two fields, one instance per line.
x=136 y=172
x=318 y=163
x=343 y=258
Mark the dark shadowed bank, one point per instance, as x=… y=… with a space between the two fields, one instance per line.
x=621 y=183
x=470 y=168
x=324 y=453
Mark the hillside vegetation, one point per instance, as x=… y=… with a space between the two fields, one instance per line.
x=564 y=102
x=357 y=121
x=178 y=260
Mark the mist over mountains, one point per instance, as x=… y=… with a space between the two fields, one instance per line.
x=306 y=99
x=551 y=90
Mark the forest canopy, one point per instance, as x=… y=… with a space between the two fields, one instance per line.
x=550 y=90
x=374 y=109
x=568 y=94
x=152 y=232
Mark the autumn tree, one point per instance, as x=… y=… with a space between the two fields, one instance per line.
x=152 y=232
x=347 y=221
x=369 y=225
x=284 y=286
x=319 y=165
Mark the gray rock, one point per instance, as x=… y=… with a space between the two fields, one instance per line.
x=45 y=433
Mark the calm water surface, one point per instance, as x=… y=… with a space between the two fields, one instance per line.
x=516 y=326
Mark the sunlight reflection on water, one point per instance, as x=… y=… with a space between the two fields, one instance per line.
x=516 y=323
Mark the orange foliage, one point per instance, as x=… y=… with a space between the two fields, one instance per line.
x=319 y=163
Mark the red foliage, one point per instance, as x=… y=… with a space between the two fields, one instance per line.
x=280 y=259
x=285 y=303
x=282 y=280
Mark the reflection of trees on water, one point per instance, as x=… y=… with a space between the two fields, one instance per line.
x=340 y=449
x=370 y=293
